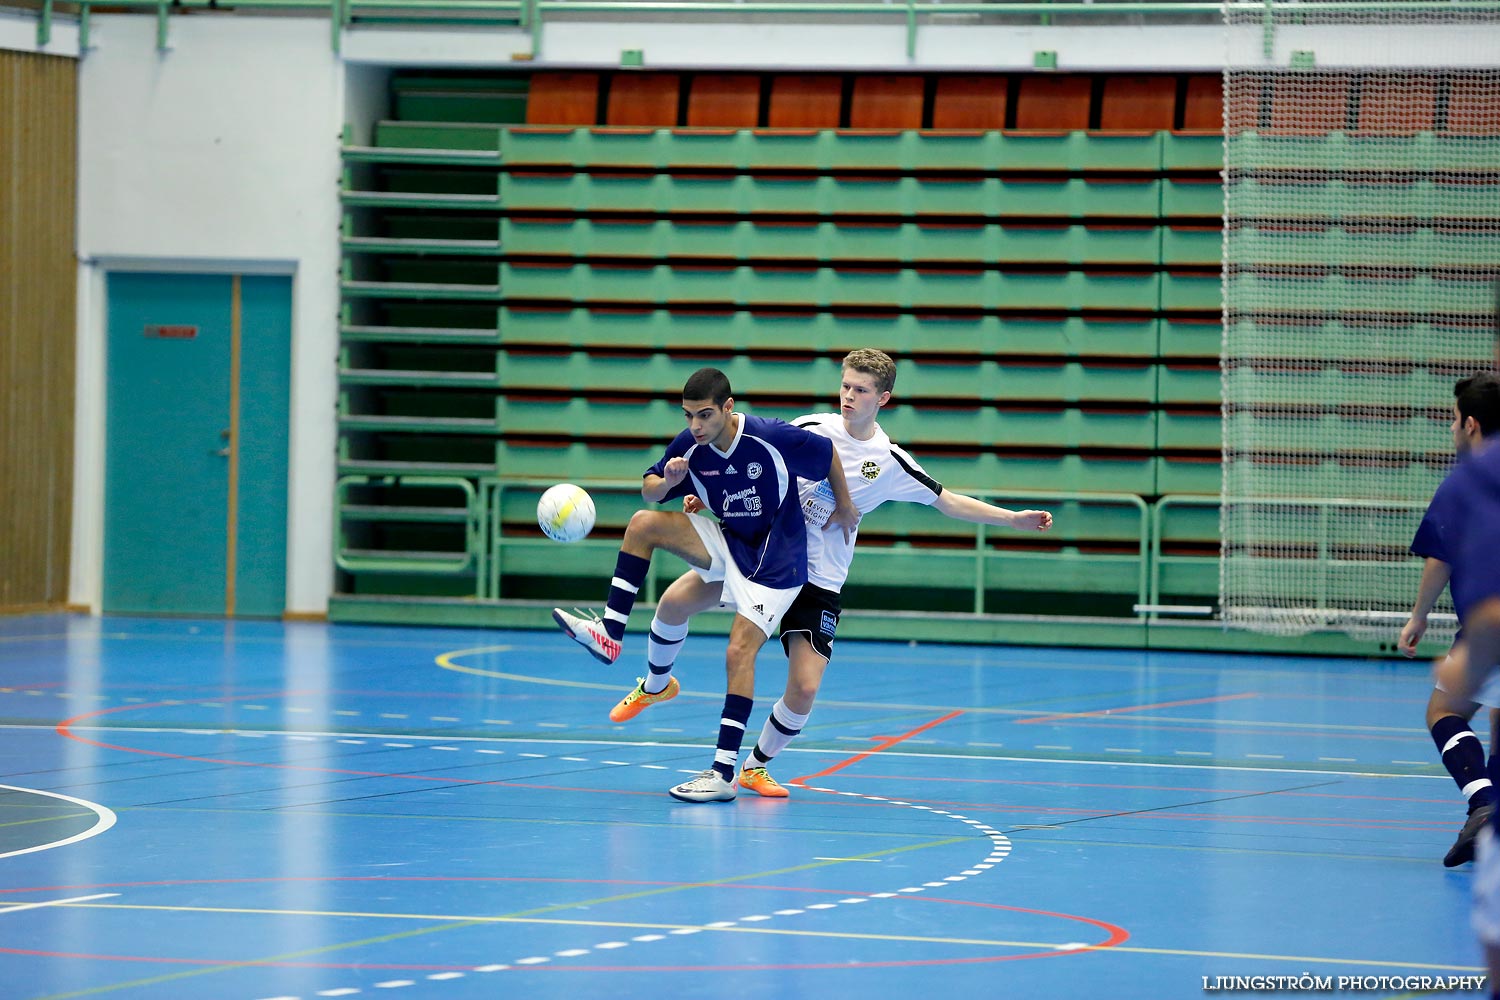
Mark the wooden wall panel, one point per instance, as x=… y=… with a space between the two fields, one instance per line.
x=38 y=171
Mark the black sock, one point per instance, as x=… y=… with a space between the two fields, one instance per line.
x=1463 y=756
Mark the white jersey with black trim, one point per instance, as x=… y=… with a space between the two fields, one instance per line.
x=876 y=470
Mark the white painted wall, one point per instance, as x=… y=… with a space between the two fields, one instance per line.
x=222 y=153
x=219 y=154
x=18 y=32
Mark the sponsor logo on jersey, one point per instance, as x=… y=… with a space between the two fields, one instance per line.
x=753 y=470
x=730 y=470
x=829 y=623
x=748 y=497
x=709 y=472
x=869 y=470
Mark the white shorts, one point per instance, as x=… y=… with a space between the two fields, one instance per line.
x=1485 y=917
x=1488 y=694
x=762 y=605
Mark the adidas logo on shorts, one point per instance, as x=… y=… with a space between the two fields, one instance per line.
x=760 y=609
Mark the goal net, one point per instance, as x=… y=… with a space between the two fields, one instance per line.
x=1362 y=242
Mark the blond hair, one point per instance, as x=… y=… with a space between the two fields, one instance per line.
x=875 y=363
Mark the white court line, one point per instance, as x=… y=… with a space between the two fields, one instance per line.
x=56 y=902
x=1012 y=758
x=105 y=821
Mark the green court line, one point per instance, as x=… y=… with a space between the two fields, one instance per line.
x=520 y=915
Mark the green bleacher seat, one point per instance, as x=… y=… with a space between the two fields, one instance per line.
x=525 y=299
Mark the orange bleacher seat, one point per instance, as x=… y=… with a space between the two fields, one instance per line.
x=643 y=99
x=805 y=101
x=563 y=99
x=1473 y=106
x=886 y=102
x=1053 y=103
x=1309 y=104
x=970 y=102
x=1397 y=104
x=1132 y=103
x=1203 y=104
x=725 y=100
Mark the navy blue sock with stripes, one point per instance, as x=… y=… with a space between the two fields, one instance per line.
x=731 y=734
x=1463 y=756
x=630 y=573
x=1494 y=769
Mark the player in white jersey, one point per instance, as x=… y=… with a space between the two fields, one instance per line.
x=876 y=471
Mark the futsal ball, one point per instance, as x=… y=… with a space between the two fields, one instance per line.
x=565 y=513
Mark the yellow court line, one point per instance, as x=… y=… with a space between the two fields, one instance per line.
x=459 y=920
x=42 y=819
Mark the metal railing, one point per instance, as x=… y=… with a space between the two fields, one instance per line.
x=530 y=15
x=487 y=542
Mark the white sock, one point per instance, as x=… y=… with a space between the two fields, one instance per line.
x=781 y=726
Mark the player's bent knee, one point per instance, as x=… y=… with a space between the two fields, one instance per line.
x=801 y=692
x=652 y=526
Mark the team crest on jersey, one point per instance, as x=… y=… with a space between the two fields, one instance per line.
x=869 y=470
x=753 y=470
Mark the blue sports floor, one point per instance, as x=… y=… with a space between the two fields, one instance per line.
x=242 y=811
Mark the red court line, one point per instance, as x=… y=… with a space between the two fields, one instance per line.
x=1136 y=708
x=884 y=742
x=64 y=729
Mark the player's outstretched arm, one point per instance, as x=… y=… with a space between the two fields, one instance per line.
x=966 y=508
x=1435 y=574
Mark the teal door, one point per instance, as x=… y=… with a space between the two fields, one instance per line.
x=196 y=444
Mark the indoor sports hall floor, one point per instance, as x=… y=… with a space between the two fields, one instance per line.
x=241 y=811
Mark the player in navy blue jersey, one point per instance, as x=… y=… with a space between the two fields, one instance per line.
x=877 y=471
x=1473 y=532
x=745 y=469
x=1476 y=421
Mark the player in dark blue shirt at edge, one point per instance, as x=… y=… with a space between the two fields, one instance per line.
x=745 y=468
x=1473 y=533
x=1476 y=423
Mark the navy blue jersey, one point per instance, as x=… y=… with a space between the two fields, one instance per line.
x=752 y=489
x=1433 y=538
x=1471 y=496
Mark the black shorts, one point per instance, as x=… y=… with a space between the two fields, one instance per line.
x=815 y=612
